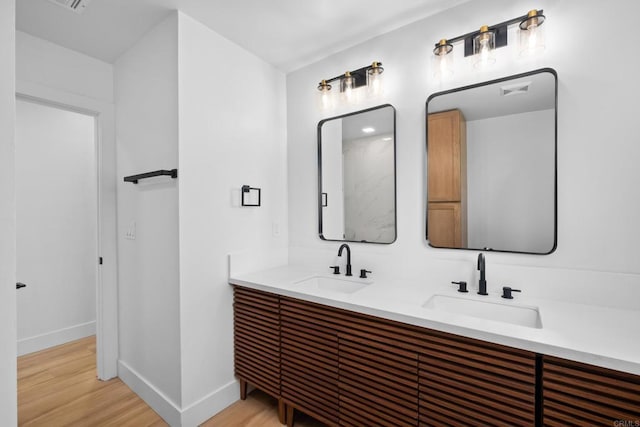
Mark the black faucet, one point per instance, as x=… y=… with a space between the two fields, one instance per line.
x=344 y=245
x=482 y=284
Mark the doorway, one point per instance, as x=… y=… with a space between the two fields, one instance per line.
x=56 y=224
x=106 y=297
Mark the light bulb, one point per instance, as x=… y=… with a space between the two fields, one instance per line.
x=375 y=79
x=347 y=87
x=375 y=84
x=325 y=99
x=531 y=34
x=326 y=102
x=442 y=61
x=483 y=47
x=484 y=50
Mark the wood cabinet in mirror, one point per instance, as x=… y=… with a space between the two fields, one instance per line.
x=492 y=165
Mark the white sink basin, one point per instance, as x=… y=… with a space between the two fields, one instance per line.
x=335 y=285
x=490 y=310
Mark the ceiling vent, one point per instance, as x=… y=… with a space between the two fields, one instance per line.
x=521 y=88
x=77 y=6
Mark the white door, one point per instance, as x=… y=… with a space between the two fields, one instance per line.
x=56 y=225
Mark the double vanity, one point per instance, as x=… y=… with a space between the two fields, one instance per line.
x=376 y=351
x=360 y=350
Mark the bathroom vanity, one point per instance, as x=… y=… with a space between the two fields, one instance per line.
x=364 y=357
x=394 y=352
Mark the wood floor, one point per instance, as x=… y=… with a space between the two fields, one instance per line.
x=259 y=410
x=58 y=387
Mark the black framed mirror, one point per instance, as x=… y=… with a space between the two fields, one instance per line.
x=492 y=165
x=357 y=176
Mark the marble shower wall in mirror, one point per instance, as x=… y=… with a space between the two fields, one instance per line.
x=356 y=176
x=491 y=165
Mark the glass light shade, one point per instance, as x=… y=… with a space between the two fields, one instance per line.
x=484 y=45
x=324 y=96
x=375 y=79
x=442 y=61
x=348 y=88
x=531 y=37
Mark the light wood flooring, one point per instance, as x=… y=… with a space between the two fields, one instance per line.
x=58 y=387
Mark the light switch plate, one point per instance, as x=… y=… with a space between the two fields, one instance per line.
x=130 y=234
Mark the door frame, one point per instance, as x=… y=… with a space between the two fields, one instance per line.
x=107 y=273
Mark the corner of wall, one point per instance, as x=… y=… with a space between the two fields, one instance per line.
x=8 y=380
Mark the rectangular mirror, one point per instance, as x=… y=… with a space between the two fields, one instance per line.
x=492 y=165
x=357 y=176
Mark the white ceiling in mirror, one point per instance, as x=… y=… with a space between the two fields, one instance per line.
x=490 y=101
x=286 y=33
x=380 y=120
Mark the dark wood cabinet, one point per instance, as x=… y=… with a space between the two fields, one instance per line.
x=467 y=382
x=378 y=376
x=577 y=394
x=256 y=340
x=351 y=370
x=309 y=360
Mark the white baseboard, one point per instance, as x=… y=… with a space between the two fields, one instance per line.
x=205 y=408
x=51 y=339
x=191 y=416
x=160 y=403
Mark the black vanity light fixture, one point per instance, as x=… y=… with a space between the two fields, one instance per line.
x=346 y=85
x=482 y=43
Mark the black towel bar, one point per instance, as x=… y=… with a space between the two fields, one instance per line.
x=173 y=173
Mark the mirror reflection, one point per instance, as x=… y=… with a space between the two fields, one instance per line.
x=357 y=182
x=491 y=165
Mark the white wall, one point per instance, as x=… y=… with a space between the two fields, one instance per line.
x=598 y=153
x=232 y=132
x=332 y=182
x=510 y=178
x=8 y=387
x=369 y=189
x=146 y=98
x=187 y=97
x=47 y=64
x=56 y=225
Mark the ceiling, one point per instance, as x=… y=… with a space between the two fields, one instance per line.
x=486 y=101
x=286 y=33
x=381 y=120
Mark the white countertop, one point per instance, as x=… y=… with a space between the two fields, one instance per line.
x=606 y=337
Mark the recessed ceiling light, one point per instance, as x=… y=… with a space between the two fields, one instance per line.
x=388 y=138
x=368 y=130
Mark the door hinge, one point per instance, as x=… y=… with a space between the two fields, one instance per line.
x=100 y=261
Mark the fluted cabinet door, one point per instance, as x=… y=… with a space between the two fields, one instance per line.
x=310 y=360
x=576 y=394
x=466 y=382
x=378 y=381
x=257 y=339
